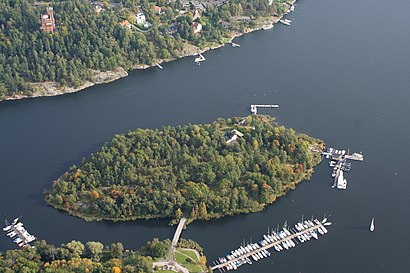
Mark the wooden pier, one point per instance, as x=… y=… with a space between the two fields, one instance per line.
x=293 y=236
x=254 y=107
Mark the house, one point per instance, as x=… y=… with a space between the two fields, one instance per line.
x=233 y=135
x=140 y=18
x=225 y=24
x=196 y=15
x=197 y=27
x=198 y=5
x=98 y=7
x=156 y=9
x=243 y=18
x=125 y=23
x=185 y=4
x=48 y=23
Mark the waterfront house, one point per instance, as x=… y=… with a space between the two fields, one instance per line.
x=197 y=27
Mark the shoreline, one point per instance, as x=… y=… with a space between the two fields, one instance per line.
x=51 y=89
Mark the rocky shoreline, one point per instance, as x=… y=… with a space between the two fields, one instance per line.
x=48 y=89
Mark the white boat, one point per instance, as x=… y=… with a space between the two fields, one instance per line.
x=327 y=223
x=284 y=22
x=292 y=8
x=372 y=225
x=7 y=228
x=21 y=244
x=11 y=234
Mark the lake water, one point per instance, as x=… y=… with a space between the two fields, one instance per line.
x=341 y=73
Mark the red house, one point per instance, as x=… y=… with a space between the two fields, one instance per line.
x=48 y=23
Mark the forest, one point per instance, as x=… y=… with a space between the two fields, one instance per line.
x=92 y=257
x=200 y=171
x=85 y=42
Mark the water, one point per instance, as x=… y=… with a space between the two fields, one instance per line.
x=340 y=73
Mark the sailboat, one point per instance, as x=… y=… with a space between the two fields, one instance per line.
x=372 y=225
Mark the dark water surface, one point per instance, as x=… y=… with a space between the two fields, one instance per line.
x=340 y=73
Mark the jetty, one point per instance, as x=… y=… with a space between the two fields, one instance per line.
x=199 y=59
x=254 y=107
x=340 y=165
x=159 y=66
x=284 y=239
x=18 y=233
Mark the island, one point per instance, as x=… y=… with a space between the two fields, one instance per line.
x=200 y=171
x=52 y=48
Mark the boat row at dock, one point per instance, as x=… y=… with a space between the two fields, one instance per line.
x=340 y=165
x=279 y=240
x=18 y=233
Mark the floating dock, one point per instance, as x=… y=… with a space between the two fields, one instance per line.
x=283 y=239
x=235 y=45
x=340 y=165
x=254 y=107
x=18 y=233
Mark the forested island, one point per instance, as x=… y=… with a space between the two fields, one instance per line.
x=93 y=257
x=234 y=165
x=80 y=43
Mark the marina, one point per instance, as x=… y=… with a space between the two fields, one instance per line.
x=279 y=240
x=18 y=233
x=340 y=165
x=254 y=107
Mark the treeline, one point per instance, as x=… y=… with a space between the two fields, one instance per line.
x=74 y=256
x=85 y=41
x=187 y=170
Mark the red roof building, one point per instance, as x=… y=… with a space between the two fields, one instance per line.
x=156 y=9
x=48 y=23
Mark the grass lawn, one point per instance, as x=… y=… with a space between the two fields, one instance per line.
x=193 y=265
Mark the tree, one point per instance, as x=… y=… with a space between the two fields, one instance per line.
x=94 y=250
x=178 y=214
x=116 y=250
x=203 y=260
x=76 y=248
x=193 y=214
x=202 y=211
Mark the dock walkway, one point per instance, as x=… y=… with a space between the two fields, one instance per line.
x=254 y=107
x=178 y=231
x=267 y=246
